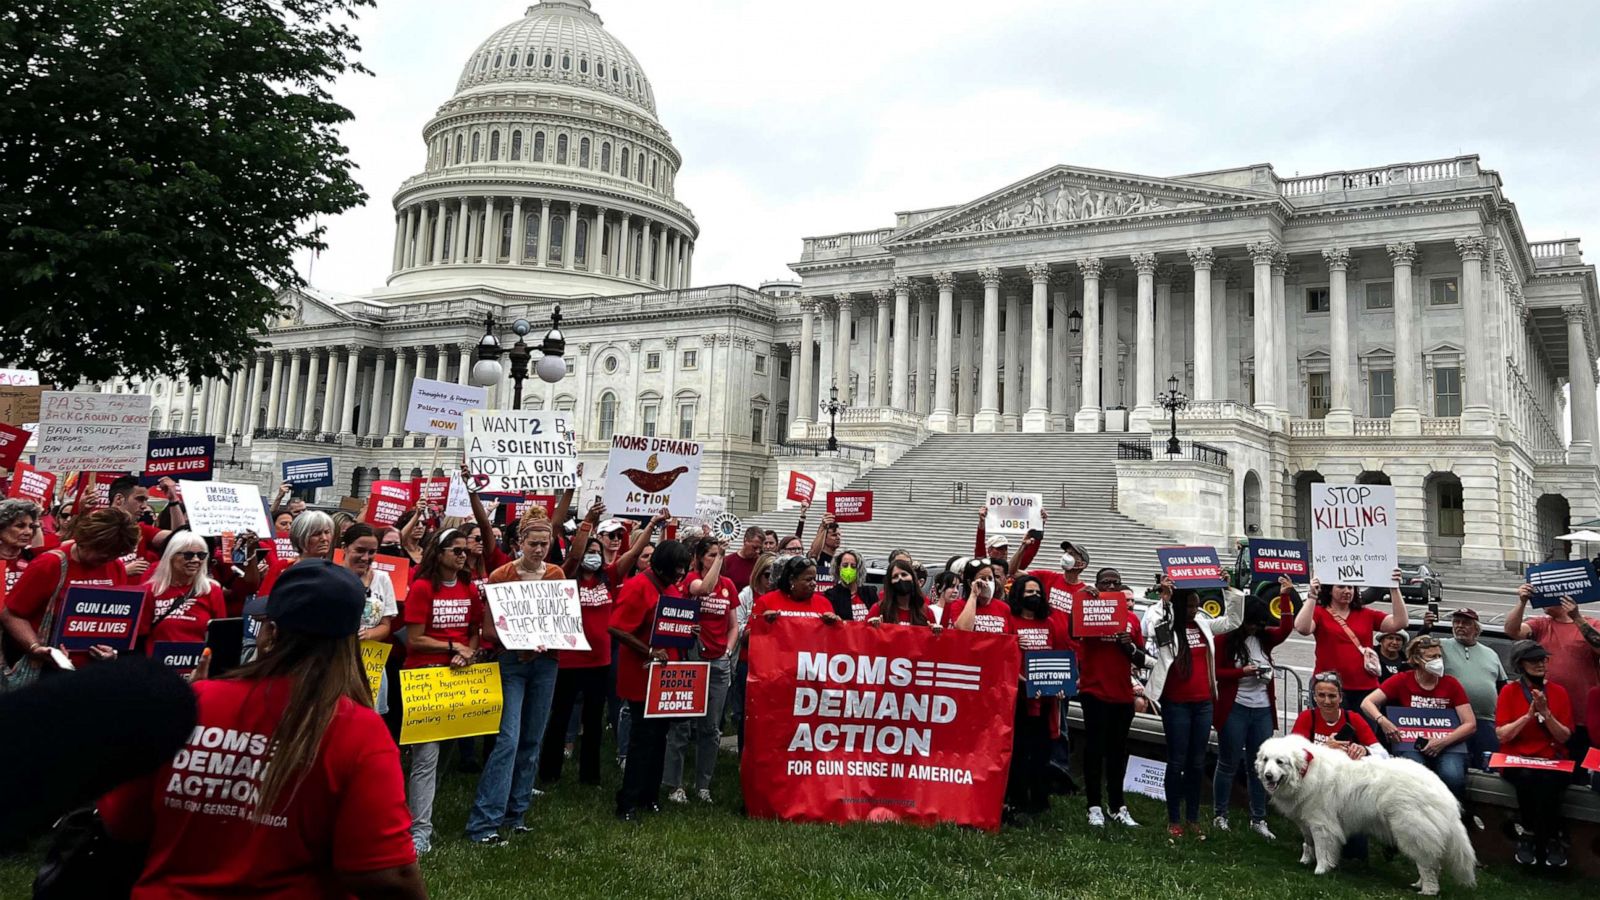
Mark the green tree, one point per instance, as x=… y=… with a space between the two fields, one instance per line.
x=161 y=162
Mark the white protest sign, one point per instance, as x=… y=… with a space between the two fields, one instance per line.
x=646 y=473
x=523 y=450
x=1353 y=537
x=457 y=503
x=19 y=377
x=437 y=406
x=1013 y=513
x=534 y=615
x=216 y=508
x=92 y=432
x=1147 y=777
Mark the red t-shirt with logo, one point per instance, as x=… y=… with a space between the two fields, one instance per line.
x=595 y=602
x=347 y=814
x=27 y=598
x=716 y=620
x=1534 y=739
x=447 y=613
x=635 y=614
x=180 y=621
x=993 y=617
x=1104 y=670
x=1337 y=653
x=785 y=606
x=1348 y=728
x=1195 y=687
x=1050 y=633
x=1404 y=690
x=1056 y=589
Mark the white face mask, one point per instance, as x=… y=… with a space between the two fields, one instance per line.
x=1434 y=666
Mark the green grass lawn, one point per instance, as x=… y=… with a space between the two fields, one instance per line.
x=695 y=852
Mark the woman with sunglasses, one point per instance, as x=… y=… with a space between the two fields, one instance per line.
x=1105 y=691
x=360 y=545
x=181 y=599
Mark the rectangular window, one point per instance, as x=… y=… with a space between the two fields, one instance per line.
x=652 y=362
x=1380 y=295
x=1447 y=392
x=783 y=367
x=1249 y=300
x=1444 y=292
x=647 y=419
x=1317 y=300
x=686 y=421
x=1317 y=392
x=852 y=329
x=761 y=364
x=690 y=357
x=757 y=419
x=782 y=424
x=753 y=499
x=1380 y=393
x=1452 y=511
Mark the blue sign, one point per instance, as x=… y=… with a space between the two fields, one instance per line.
x=178 y=458
x=1191 y=567
x=1270 y=559
x=1432 y=724
x=309 y=473
x=676 y=618
x=180 y=655
x=92 y=616
x=1554 y=580
x=1050 y=673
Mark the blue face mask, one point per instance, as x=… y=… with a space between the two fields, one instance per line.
x=591 y=562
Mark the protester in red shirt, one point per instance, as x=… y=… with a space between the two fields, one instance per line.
x=1105 y=690
x=1425 y=686
x=584 y=675
x=180 y=599
x=326 y=817
x=719 y=598
x=981 y=607
x=1329 y=723
x=133 y=498
x=19 y=527
x=442 y=615
x=1066 y=586
x=1573 y=641
x=1342 y=627
x=1533 y=718
x=1037 y=627
x=736 y=567
x=903 y=602
x=793 y=594
x=311 y=536
x=632 y=621
x=93 y=558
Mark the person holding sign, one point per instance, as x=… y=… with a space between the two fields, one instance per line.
x=823 y=549
x=327 y=816
x=718 y=630
x=180 y=600
x=1342 y=628
x=585 y=675
x=1573 y=641
x=360 y=545
x=133 y=498
x=793 y=594
x=1244 y=714
x=443 y=615
x=1105 y=691
x=1426 y=686
x=1038 y=721
x=94 y=558
x=1534 y=720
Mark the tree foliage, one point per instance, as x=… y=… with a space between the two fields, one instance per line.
x=161 y=162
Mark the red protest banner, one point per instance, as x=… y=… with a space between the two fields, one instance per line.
x=851 y=723
x=1509 y=761
x=396 y=568
x=1100 y=616
x=94 y=490
x=677 y=690
x=12 y=440
x=434 y=490
x=801 y=487
x=28 y=483
x=389 y=501
x=850 y=506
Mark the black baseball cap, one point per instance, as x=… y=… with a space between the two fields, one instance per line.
x=1527 y=651
x=314 y=596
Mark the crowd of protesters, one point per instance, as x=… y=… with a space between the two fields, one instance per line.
x=302 y=688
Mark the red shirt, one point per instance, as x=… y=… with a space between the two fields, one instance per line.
x=716 y=616
x=147 y=534
x=1337 y=653
x=1196 y=686
x=1314 y=728
x=1104 y=670
x=635 y=614
x=348 y=813
x=785 y=606
x=893 y=616
x=993 y=617
x=180 y=622
x=595 y=601
x=1403 y=690
x=447 y=614
x=737 y=569
x=27 y=598
x=1060 y=594
x=11 y=569
x=1052 y=633
x=1572 y=661
x=1534 y=739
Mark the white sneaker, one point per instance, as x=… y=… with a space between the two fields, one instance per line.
x=677 y=796
x=1097 y=819
x=1122 y=817
x=1220 y=823
x=1260 y=827
x=704 y=795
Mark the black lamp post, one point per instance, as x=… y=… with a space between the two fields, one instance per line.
x=551 y=367
x=1173 y=400
x=833 y=406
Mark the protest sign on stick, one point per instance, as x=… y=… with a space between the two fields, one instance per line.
x=645 y=474
x=537 y=615
x=29 y=483
x=1013 y=514
x=93 y=616
x=216 y=507
x=443 y=702
x=676 y=690
x=850 y=506
x=437 y=407
x=1554 y=580
x=1353 y=538
x=92 y=432
x=522 y=450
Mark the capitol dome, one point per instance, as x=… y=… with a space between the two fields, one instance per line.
x=547 y=171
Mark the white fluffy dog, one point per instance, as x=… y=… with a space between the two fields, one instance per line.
x=1396 y=801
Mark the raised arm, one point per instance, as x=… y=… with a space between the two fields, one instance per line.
x=1305 y=621
x=703 y=585
x=822 y=531
x=580 y=538
x=1398 y=617
x=1232 y=611
x=1517 y=629
x=980 y=544
x=641 y=537
x=800 y=526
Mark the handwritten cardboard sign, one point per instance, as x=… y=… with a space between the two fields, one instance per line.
x=18 y=377
x=1050 y=673
x=850 y=506
x=444 y=703
x=1012 y=513
x=19 y=404
x=1353 y=538
x=216 y=507
x=92 y=432
x=643 y=474
x=1191 y=567
x=801 y=487
x=94 y=616
x=437 y=407
x=537 y=615
x=374 y=656
x=1099 y=616
x=1554 y=580
x=523 y=450
x=309 y=473
x=677 y=690
x=1272 y=558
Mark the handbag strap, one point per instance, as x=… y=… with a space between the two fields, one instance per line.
x=1350 y=634
x=48 y=619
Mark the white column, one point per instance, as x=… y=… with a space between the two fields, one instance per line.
x=519 y=231
x=458 y=253
x=205 y=406
x=794 y=387
x=805 y=405
x=331 y=404
x=841 y=345
x=1407 y=418
x=647 y=252
x=1037 y=418
x=372 y=421
x=352 y=368
x=941 y=419
x=1111 y=342
x=1580 y=372
x=419 y=254
x=292 y=397
x=1088 y=417
x=827 y=376
x=1282 y=371
x=401 y=218
x=988 y=418
x=569 y=249
x=1011 y=364
x=249 y=415
x=922 y=381
x=438 y=234
x=880 y=351
x=658 y=255
x=1341 y=414
x=967 y=347
x=544 y=232
x=308 y=417
x=490 y=239
x=1145 y=334
x=597 y=230
x=402 y=385
x=1476 y=414
x=411 y=231
x=626 y=254
x=1061 y=374
x=1262 y=254
x=1201 y=258
x=688 y=266
x=899 y=393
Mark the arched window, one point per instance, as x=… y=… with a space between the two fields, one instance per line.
x=580 y=251
x=449 y=229
x=566 y=62
x=516 y=145
x=652 y=173
x=476 y=140
x=511 y=64
x=498 y=56
x=608 y=416
x=583 y=153
x=600 y=69
x=548 y=59
x=623 y=171
x=583 y=64
x=458 y=149
x=494 y=147
x=561 y=150
x=538 y=146
x=530 y=239
x=638 y=167
x=614 y=74
x=627 y=78
x=558 y=236
x=605 y=156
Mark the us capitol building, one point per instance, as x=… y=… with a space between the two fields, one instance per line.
x=1386 y=325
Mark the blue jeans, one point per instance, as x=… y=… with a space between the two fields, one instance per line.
x=506 y=786
x=1241 y=738
x=1188 y=725
x=1451 y=767
x=1482 y=743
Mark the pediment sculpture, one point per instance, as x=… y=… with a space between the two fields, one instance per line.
x=1070 y=203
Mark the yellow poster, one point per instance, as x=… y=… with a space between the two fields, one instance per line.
x=373 y=656
x=442 y=703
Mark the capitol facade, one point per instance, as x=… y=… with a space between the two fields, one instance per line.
x=1392 y=325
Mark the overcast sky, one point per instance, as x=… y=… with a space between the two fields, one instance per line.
x=802 y=118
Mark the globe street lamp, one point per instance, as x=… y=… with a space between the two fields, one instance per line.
x=1173 y=400
x=550 y=368
x=833 y=406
